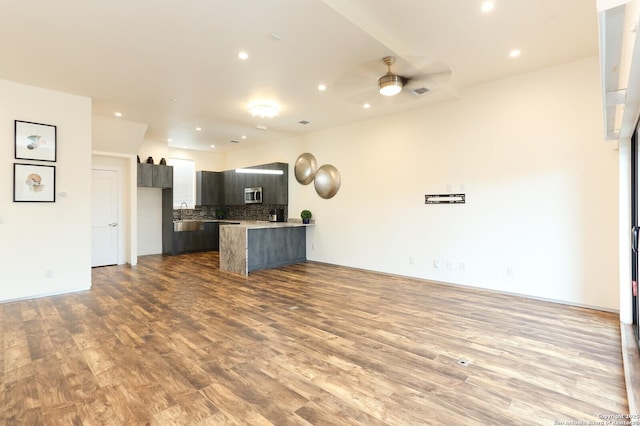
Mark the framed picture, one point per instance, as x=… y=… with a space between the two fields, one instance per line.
x=34 y=183
x=35 y=141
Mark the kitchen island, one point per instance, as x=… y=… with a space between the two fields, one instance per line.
x=250 y=246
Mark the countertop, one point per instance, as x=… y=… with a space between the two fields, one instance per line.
x=251 y=224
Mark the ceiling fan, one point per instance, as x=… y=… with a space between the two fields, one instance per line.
x=390 y=84
x=408 y=77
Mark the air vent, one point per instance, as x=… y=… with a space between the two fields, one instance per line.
x=304 y=122
x=232 y=141
x=420 y=91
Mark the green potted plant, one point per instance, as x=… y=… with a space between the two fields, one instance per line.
x=305 y=215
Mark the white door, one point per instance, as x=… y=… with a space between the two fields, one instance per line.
x=104 y=236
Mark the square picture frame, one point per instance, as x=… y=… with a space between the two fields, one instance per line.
x=34 y=183
x=35 y=141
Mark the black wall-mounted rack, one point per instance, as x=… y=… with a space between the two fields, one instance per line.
x=444 y=199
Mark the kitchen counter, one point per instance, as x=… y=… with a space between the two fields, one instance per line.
x=247 y=246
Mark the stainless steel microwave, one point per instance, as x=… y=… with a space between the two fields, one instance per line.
x=253 y=195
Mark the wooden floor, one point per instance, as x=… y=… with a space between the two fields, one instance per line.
x=175 y=341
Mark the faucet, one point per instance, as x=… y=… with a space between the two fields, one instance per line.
x=182 y=209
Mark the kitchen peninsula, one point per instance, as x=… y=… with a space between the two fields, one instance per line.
x=250 y=246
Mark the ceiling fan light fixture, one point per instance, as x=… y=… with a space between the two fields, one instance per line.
x=389 y=84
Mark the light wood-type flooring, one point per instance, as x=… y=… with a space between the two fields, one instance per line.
x=174 y=340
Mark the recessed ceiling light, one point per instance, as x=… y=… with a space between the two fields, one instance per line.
x=243 y=55
x=117 y=114
x=487 y=6
x=169 y=140
x=244 y=137
x=322 y=87
x=198 y=129
x=212 y=146
x=366 y=106
x=514 y=53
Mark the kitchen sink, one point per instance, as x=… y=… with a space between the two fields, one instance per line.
x=191 y=225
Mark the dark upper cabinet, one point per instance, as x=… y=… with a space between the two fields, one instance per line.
x=163 y=176
x=234 y=184
x=145 y=174
x=155 y=176
x=209 y=188
x=229 y=186
x=275 y=187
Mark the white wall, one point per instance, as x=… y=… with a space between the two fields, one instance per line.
x=149 y=221
x=117 y=135
x=36 y=238
x=541 y=217
x=212 y=161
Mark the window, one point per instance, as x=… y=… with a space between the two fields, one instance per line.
x=184 y=177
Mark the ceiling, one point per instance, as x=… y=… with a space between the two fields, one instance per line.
x=174 y=65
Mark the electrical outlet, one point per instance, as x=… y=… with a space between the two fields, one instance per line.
x=462 y=266
x=48 y=273
x=510 y=272
x=449 y=265
x=313 y=246
x=437 y=263
x=411 y=262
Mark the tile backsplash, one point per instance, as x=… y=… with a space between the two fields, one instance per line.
x=246 y=212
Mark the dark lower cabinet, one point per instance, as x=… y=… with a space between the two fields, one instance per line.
x=167 y=221
x=274 y=247
x=193 y=241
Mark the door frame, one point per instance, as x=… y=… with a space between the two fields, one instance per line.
x=128 y=202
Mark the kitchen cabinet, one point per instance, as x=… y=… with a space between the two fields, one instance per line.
x=167 y=221
x=155 y=176
x=275 y=187
x=234 y=184
x=162 y=176
x=275 y=247
x=210 y=188
x=248 y=247
x=227 y=188
x=193 y=241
